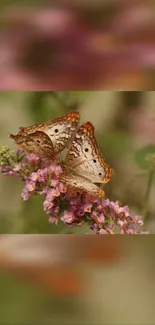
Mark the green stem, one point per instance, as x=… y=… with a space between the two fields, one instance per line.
x=147 y=194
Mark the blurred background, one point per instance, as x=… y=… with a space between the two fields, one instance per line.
x=124 y=127
x=64 y=44
x=77 y=279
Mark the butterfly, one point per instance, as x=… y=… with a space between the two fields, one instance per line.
x=84 y=164
x=55 y=135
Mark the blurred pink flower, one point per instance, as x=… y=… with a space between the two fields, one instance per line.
x=61 y=48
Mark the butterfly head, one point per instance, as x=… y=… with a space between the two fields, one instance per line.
x=16 y=138
x=20 y=141
x=13 y=137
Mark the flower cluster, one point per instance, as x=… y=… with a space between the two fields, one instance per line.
x=60 y=203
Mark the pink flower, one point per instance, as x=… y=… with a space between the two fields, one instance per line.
x=88 y=207
x=54 y=192
x=101 y=218
x=54 y=182
x=68 y=217
x=103 y=232
x=139 y=221
x=34 y=177
x=25 y=194
x=31 y=186
x=120 y=223
x=17 y=167
x=32 y=159
x=53 y=220
x=61 y=203
x=48 y=205
x=11 y=173
x=62 y=188
x=42 y=175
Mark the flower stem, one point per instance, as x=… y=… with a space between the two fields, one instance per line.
x=147 y=194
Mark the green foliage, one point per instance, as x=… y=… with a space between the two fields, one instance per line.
x=115 y=144
x=142 y=156
x=43 y=106
x=23 y=302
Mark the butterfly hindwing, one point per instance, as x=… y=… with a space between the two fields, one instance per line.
x=80 y=184
x=38 y=143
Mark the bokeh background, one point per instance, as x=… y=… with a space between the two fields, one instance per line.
x=74 y=44
x=77 y=280
x=124 y=127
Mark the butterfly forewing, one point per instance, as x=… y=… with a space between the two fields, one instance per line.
x=85 y=158
x=60 y=130
x=80 y=184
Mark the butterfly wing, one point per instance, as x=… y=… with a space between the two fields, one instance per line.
x=38 y=143
x=85 y=158
x=80 y=184
x=60 y=130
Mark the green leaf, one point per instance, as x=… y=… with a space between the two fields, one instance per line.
x=142 y=154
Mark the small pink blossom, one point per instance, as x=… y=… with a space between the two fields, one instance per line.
x=42 y=175
x=103 y=232
x=110 y=229
x=139 y=221
x=62 y=188
x=68 y=217
x=57 y=170
x=88 y=207
x=54 y=192
x=17 y=167
x=31 y=186
x=53 y=220
x=25 y=194
x=54 y=182
x=34 y=177
x=32 y=159
x=11 y=173
x=48 y=205
x=120 y=223
x=101 y=218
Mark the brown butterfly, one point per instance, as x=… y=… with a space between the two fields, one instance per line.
x=50 y=138
x=84 y=165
